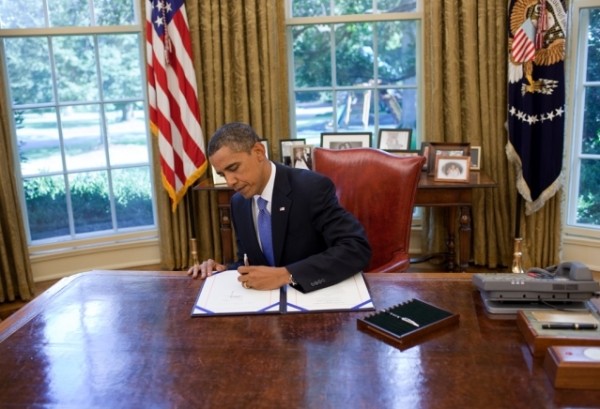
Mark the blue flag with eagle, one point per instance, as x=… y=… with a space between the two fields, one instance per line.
x=536 y=97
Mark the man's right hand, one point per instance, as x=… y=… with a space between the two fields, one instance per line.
x=205 y=269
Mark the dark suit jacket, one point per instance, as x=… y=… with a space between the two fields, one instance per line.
x=318 y=241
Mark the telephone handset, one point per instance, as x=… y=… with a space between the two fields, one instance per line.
x=573 y=270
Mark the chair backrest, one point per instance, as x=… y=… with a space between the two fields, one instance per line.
x=379 y=188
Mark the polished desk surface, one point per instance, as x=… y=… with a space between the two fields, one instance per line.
x=110 y=339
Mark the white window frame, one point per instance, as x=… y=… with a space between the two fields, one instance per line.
x=356 y=18
x=575 y=109
x=110 y=250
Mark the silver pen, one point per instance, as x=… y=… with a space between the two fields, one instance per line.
x=405 y=319
x=246 y=262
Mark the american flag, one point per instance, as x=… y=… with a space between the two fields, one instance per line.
x=523 y=47
x=173 y=97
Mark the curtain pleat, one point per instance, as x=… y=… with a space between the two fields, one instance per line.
x=16 y=277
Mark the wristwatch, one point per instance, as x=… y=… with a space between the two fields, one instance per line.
x=292 y=282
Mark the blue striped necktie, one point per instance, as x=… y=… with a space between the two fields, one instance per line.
x=264 y=230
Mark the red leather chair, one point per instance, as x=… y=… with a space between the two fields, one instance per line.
x=379 y=188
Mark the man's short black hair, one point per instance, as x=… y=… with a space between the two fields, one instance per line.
x=237 y=136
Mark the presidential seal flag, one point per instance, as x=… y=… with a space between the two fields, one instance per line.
x=536 y=97
x=173 y=97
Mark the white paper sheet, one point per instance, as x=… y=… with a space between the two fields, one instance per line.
x=222 y=293
x=350 y=294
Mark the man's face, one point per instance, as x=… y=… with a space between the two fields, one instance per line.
x=247 y=173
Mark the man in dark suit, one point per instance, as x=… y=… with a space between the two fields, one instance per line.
x=316 y=243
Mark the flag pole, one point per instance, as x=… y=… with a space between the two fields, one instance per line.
x=517 y=265
x=191 y=214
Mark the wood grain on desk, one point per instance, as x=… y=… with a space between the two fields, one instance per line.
x=116 y=339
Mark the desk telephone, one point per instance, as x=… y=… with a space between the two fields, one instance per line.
x=563 y=283
x=573 y=270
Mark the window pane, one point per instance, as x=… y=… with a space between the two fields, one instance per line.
x=396 y=6
x=84 y=145
x=588 y=207
x=312 y=56
x=46 y=207
x=90 y=201
x=396 y=52
x=22 y=14
x=398 y=108
x=38 y=141
x=355 y=110
x=314 y=114
x=76 y=68
x=133 y=197
x=114 y=13
x=593 y=48
x=29 y=71
x=344 y=7
x=120 y=66
x=310 y=8
x=354 y=54
x=126 y=131
x=64 y=13
x=591 y=121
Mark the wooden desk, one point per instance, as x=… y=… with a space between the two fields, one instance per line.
x=456 y=197
x=114 y=339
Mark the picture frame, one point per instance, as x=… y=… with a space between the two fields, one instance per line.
x=345 y=140
x=446 y=149
x=405 y=152
x=218 y=180
x=285 y=149
x=475 y=157
x=425 y=153
x=394 y=139
x=452 y=168
x=301 y=156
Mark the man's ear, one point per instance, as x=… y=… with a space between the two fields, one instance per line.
x=259 y=149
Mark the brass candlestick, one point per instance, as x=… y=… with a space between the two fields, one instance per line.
x=517 y=266
x=194 y=251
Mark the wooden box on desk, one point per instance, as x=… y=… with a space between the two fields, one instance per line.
x=539 y=340
x=573 y=367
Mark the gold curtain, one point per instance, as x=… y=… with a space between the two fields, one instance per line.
x=465 y=48
x=16 y=278
x=240 y=57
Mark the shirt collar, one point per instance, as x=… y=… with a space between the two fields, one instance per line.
x=267 y=192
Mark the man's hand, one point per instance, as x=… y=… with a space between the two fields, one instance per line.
x=263 y=277
x=205 y=269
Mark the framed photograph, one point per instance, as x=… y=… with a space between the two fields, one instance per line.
x=406 y=152
x=452 y=168
x=285 y=148
x=425 y=153
x=337 y=140
x=301 y=156
x=218 y=180
x=266 y=143
x=446 y=149
x=475 y=157
x=394 y=139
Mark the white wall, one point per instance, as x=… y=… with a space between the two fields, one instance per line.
x=54 y=265
x=582 y=249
